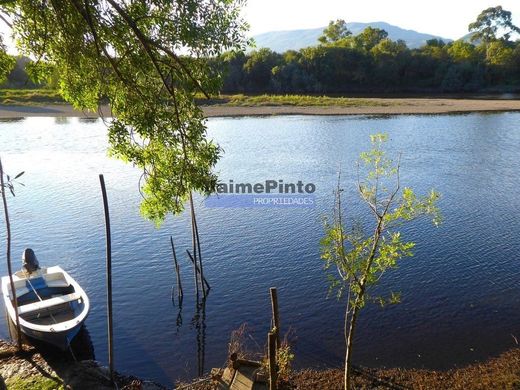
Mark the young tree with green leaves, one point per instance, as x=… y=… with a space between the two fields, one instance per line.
x=148 y=60
x=361 y=259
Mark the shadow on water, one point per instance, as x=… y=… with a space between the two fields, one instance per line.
x=198 y=322
x=81 y=348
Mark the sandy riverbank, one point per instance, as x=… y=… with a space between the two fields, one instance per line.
x=369 y=106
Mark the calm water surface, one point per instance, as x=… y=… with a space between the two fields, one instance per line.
x=461 y=296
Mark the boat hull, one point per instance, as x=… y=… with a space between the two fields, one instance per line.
x=60 y=340
x=54 y=319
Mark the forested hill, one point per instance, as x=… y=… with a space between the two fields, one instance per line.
x=281 y=41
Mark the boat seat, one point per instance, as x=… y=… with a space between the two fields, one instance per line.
x=40 y=305
x=20 y=291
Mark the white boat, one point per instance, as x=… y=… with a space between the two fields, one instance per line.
x=52 y=306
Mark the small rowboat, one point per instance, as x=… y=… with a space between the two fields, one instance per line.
x=52 y=306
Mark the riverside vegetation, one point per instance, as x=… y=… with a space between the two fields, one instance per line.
x=486 y=60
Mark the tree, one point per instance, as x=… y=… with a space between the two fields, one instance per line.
x=7 y=62
x=370 y=37
x=148 y=60
x=461 y=51
x=334 y=32
x=258 y=69
x=493 y=23
x=361 y=259
x=498 y=53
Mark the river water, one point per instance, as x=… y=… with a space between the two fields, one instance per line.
x=460 y=292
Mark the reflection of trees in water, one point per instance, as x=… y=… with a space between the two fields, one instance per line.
x=86 y=119
x=11 y=120
x=61 y=120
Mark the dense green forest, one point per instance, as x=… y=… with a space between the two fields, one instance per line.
x=488 y=60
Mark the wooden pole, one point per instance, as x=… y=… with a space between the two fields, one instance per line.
x=197 y=269
x=271 y=356
x=178 y=272
x=109 y=279
x=197 y=239
x=275 y=314
x=194 y=245
x=9 y=268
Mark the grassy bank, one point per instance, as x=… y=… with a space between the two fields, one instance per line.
x=30 y=97
x=47 y=96
x=296 y=100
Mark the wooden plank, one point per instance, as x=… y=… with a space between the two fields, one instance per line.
x=244 y=378
x=228 y=375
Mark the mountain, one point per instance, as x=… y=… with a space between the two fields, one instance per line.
x=281 y=41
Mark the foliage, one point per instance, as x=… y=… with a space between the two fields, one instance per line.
x=335 y=32
x=7 y=62
x=361 y=259
x=372 y=62
x=284 y=359
x=129 y=55
x=10 y=181
x=369 y=38
x=30 y=96
x=493 y=23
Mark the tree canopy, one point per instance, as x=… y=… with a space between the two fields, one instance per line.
x=335 y=31
x=372 y=62
x=6 y=62
x=148 y=60
x=493 y=23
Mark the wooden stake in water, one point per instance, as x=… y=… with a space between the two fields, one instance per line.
x=180 y=293
x=197 y=252
x=109 y=279
x=197 y=269
x=9 y=268
x=275 y=314
x=194 y=249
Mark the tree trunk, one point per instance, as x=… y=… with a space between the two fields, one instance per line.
x=349 y=335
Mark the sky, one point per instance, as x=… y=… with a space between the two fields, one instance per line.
x=445 y=18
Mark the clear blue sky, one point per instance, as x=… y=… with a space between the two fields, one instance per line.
x=446 y=18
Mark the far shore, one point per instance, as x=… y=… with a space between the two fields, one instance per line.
x=366 y=106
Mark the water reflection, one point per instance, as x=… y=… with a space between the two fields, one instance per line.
x=460 y=291
x=62 y=120
x=11 y=120
x=199 y=323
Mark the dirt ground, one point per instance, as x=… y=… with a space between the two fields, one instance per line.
x=374 y=106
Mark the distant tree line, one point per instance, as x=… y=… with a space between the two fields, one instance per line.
x=487 y=61
x=371 y=62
